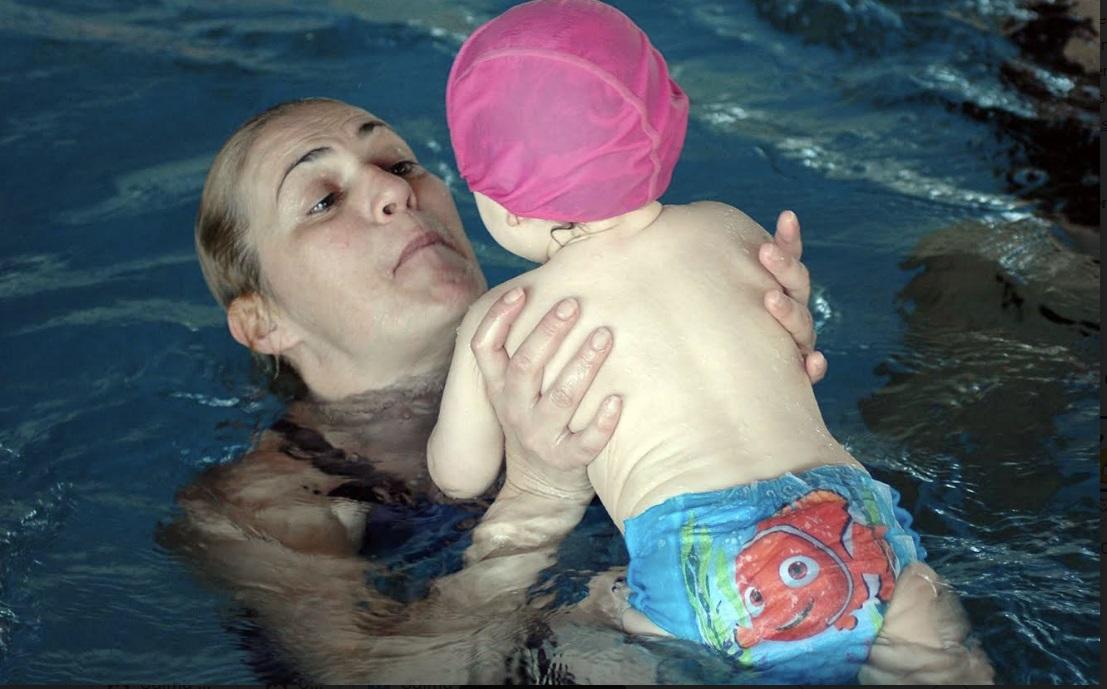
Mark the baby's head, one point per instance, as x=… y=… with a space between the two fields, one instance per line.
x=562 y=111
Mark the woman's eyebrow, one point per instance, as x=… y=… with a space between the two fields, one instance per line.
x=363 y=131
x=369 y=127
x=305 y=158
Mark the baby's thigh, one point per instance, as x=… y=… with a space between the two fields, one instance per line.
x=924 y=639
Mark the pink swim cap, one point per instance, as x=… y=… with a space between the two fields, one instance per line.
x=563 y=110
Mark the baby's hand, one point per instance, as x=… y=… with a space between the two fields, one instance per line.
x=781 y=257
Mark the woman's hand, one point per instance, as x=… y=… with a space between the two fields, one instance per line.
x=781 y=257
x=545 y=456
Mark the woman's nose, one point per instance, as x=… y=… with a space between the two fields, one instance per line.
x=391 y=196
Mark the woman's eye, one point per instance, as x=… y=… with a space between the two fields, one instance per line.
x=323 y=204
x=403 y=168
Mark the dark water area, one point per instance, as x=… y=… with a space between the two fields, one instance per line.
x=941 y=157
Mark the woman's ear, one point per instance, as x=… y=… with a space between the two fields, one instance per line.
x=252 y=325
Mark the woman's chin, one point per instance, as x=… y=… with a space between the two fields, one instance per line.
x=460 y=291
x=449 y=280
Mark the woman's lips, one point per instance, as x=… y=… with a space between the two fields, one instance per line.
x=421 y=241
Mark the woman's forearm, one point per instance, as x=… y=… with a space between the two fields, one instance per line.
x=520 y=521
x=516 y=539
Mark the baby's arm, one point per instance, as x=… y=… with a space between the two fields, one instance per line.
x=466 y=447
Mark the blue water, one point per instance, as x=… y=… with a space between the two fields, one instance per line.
x=121 y=383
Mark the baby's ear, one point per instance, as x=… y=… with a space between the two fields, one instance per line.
x=494 y=213
x=252 y=325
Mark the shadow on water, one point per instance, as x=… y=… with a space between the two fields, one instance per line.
x=989 y=397
x=1055 y=159
x=1050 y=138
x=1002 y=336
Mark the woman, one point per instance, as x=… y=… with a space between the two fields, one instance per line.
x=334 y=252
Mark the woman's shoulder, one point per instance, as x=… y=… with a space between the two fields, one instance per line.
x=269 y=494
x=258 y=478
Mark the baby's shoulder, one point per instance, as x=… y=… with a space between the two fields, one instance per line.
x=716 y=219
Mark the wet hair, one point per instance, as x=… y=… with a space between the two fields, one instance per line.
x=228 y=259
x=568 y=226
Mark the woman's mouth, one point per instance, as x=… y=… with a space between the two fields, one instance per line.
x=420 y=241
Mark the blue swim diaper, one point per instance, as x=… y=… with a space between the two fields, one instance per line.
x=788 y=576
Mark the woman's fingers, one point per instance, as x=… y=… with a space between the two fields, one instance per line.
x=795 y=318
x=781 y=257
x=585 y=445
x=537 y=424
x=797 y=321
x=488 y=340
x=787 y=235
x=560 y=401
x=815 y=365
x=523 y=382
x=788 y=271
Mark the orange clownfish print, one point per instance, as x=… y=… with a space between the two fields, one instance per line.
x=810 y=566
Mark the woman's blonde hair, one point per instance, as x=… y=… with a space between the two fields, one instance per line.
x=227 y=258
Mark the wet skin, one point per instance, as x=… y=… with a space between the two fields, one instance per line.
x=366 y=273
x=366 y=264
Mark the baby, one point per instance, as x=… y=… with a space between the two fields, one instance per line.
x=749 y=527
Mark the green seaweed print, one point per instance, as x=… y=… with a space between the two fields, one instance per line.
x=709 y=584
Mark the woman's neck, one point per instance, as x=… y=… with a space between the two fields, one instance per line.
x=346 y=379
x=411 y=396
x=392 y=422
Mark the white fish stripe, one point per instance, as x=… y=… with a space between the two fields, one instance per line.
x=847 y=538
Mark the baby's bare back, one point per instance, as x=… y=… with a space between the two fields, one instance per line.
x=714 y=391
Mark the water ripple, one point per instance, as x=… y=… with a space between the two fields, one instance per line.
x=35 y=274
x=146 y=190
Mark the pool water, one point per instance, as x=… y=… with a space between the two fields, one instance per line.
x=961 y=327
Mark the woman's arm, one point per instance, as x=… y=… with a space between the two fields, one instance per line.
x=287 y=554
x=264 y=529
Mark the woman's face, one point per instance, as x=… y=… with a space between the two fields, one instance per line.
x=361 y=249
